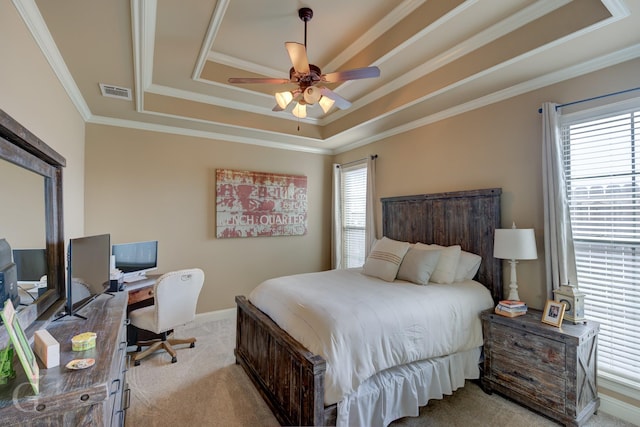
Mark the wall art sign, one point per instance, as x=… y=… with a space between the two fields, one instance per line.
x=253 y=204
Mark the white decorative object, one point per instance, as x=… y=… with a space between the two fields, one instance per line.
x=47 y=348
x=573 y=299
x=514 y=244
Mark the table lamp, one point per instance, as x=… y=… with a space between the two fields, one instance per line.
x=514 y=244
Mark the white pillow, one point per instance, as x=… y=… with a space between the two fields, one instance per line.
x=418 y=266
x=445 y=271
x=468 y=266
x=385 y=259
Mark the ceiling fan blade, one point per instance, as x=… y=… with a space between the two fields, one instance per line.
x=257 y=80
x=354 y=74
x=298 y=55
x=340 y=102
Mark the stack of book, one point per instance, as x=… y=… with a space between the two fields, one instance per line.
x=511 y=308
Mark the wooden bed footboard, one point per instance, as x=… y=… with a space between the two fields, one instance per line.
x=288 y=376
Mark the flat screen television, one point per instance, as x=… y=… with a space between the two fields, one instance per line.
x=135 y=259
x=31 y=264
x=88 y=274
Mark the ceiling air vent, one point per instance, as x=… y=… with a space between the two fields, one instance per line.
x=115 y=91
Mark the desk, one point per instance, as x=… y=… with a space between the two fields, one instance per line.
x=140 y=294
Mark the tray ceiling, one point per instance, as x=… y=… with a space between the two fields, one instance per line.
x=437 y=58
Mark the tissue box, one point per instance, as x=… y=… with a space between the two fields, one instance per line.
x=83 y=341
x=47 y=348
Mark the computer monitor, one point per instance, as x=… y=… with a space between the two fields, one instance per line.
x=31 y=264
x=89 y=268
x=135 y=259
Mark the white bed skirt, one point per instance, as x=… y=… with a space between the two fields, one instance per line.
x=401 y=391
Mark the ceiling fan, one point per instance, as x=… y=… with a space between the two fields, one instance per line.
x=309 y=79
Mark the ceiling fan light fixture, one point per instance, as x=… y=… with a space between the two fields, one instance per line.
x=283 y=99
x=312 y=95
x=300 y=110
x=306 y=76
x=326 y=104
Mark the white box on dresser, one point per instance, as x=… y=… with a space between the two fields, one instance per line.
x=46 y=348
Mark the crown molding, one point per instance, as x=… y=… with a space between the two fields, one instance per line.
x=143 y=28
x=225 y=137
x=212 y=32
x=614 y=58
x=379 y=29
x=32 y=18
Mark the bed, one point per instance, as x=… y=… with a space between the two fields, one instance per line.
x=292 y=379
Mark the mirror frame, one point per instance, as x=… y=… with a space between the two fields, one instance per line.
x=24 y=149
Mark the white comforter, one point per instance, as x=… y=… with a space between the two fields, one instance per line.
x=363 y=325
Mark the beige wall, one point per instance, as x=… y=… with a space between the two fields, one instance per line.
x=495 y=146
x=31 y=93
x=23 y=223
x=137 y=174
x=151 y=186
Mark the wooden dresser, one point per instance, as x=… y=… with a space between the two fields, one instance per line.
x=95 y=396
x=550 y=370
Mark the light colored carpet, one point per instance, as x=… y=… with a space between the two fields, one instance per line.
x=206 y=388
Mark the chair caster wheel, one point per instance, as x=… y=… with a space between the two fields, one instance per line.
x=192 y=345
x=136 y=363
x=174 y=359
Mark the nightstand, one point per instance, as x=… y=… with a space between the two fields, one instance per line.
x=550 y=370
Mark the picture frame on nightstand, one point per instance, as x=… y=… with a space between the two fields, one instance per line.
x=553 y=313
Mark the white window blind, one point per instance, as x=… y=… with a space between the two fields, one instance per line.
x=354 y=209
x=601 y=167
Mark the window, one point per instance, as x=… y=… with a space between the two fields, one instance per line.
x=354 y=210
x=602 y=174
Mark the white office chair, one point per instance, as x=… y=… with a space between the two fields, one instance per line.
x=176 y=295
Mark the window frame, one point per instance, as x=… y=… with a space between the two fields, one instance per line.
x=611 y=380
x=359 y=167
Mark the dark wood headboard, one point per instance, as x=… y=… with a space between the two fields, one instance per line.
x=465 y=218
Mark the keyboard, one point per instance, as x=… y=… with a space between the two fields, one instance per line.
x=131 y=279
x=132 y=286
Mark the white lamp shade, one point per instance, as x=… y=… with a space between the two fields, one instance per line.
x=312 y=95
x=515 y=243
x=326 y=104
x=300 y=111
x=283 y=99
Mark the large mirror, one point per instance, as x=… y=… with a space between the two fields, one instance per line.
x=22 y=224
x=31 y=194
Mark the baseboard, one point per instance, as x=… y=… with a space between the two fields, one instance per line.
x=622 y=387
x=619 y=409
x=226 y=314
